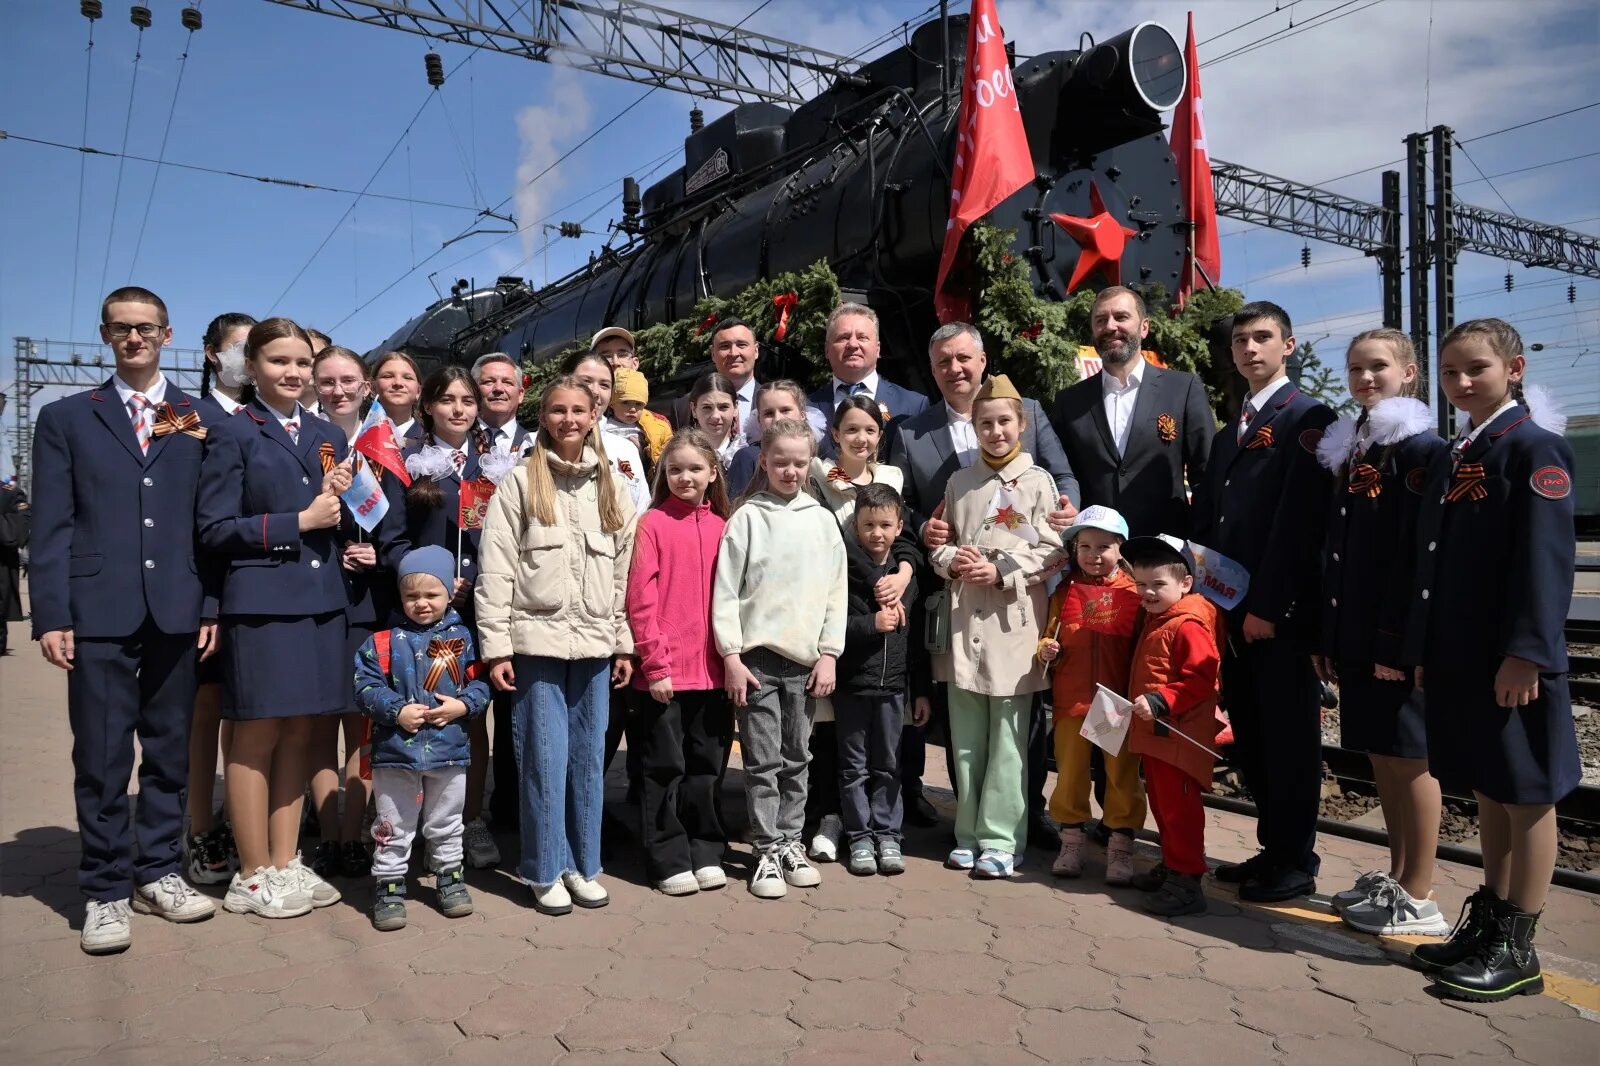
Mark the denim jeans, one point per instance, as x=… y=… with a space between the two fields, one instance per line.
x=559 y=727
x=869 y=770
x=774 y=739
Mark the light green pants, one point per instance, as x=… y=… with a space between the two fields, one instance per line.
x=991 y=769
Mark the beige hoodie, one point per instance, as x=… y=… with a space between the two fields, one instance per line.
x=780 y=580
x=556 y=591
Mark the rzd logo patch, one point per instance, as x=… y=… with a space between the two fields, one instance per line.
x=1551 y=482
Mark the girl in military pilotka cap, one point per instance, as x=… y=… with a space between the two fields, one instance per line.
x=1378 y=459
x=1000 y=552
x=1495 y=560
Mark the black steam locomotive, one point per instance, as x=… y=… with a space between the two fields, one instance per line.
x=859 y=176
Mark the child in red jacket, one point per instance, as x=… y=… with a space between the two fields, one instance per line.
x=1173 y=684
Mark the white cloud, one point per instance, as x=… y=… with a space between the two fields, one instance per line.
x=545 y=131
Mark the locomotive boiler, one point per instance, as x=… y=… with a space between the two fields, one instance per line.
x=858 y=176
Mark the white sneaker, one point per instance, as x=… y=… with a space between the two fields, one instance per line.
x=269 y=892
x=797 y=870
x=584 y=892
x=708 y=877
x=683 y=884
x=173 y=899
x=829 y=837
x=1365 y=885
x=551 y=899
x=767 y=881
x=1391 y=910
x=482 y=853
x=311 y=883
x=107 y=927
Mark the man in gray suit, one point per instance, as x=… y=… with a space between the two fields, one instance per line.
x=1137 y=435
x=928 y=448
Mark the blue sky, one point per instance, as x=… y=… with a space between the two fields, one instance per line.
x=272 y=91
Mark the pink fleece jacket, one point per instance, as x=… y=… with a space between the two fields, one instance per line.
x=669 y=596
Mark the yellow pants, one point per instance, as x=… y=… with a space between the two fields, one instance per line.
x=1069 y=804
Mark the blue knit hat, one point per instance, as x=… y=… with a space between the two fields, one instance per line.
x=434 y=561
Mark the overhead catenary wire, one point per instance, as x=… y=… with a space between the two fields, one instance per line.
x=1315 y=22
x=127 y=125
x=83 y=163
x=166 y=133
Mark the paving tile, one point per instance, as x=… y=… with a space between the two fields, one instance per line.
x=85 y=983
x=1291 y=1012
x=1136 y=956
x=716 y=1039
x=621 y=1024
x=1548 y=1041
x=842 y=891
x=1340 y=1051
x=297 y=946
x=1061 y=987
x=394 y=1042
x=1180 y=1043
x=962 y=1018
x=1215 y=931
x=144 y=1052
x=942 y=971
x=1054 y=1034
x=944 y=935
x=981 y=1055
x=433 y=997
x=1439 y=1031
x=540 y=968
x=1044 y=943
x=510 y=1010
x=614 y=1058
x=1047 y=908
x=867 y=1004
x=750 y=951
x=202 y=1016
x=1379 y=983
x=937 y=903
x=1113 y=917
x=603 y=928
x=841 y=962
x=292 y=1033
x=787 y=915
x=486 y=1051
x=470 y=953
x=851 y=1047
x=345 y=986
x=1174 y=999
x=868 y=925
x=1243 y=968
x=754 y=991
x=58 y=1041
x=650 y=978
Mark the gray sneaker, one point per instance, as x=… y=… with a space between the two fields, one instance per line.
x=863 y=858
x=890 y=861
x=389 y=905
x=482 y=852
x=107 y=927
x=454 y=899
x=1391 y=911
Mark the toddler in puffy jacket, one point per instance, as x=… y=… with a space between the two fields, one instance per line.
x=418 y=683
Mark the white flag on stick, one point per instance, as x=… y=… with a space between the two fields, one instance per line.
x=1106 y=724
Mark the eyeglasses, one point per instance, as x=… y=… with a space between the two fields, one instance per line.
x=341 y=385
x=148 y=330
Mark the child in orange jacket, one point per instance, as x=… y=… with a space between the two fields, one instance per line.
x=1089 y=639
x=1176 y=669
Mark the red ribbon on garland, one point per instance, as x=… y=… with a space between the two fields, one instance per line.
x=705 y=324
x=783 y=303
x=1033 y=331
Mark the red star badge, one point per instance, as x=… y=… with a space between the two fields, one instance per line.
x=1009 y=517
x=1100 y=236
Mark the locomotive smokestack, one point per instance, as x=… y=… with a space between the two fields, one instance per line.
x=1122 y=85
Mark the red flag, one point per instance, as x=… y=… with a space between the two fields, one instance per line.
x=992 y=157
x=377 y=443
x=1194 y=176
x=474 y=503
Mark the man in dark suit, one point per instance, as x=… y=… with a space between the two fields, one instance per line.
x=734 y=352
x=13 y=538
x=1137 y=435
x=118 y=603
x=853 y=352
x=928 y=448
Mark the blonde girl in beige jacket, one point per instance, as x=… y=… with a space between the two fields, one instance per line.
x=1001 y=551
x=553 y=566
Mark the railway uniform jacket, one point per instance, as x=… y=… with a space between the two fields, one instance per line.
x=14 y=526
x=995 y=629
x=254 y=483
x=895 y=403
x=114 y=527
x=922 y=448
x=557 y=591
x=1264 y=504
x=1368 y=561
x=1169 y=441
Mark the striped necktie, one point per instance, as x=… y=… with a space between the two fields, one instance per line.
x=1246 y=413
x=143 y=426
x=292 y=427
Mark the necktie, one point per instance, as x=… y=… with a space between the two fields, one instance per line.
x=460 y=459
x=855 y=389
x=1459 y=449
x=138 y=406
x=1245 y=414
x=292 y=427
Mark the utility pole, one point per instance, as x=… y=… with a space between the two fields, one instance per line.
x=1391 y=271
x=1444 y=253
x=1418 y=255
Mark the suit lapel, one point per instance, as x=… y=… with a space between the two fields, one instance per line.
x=1496 y=429
x=1144 y=402
x=1281 y=399
x=181 y=405
x=109 y=408
x=1097 y=414
x=943 y=442
x=273 y=430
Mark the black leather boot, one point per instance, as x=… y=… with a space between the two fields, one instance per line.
x=1463 y=942
x=1504 y=965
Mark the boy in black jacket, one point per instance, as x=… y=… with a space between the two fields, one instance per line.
x=874 y=672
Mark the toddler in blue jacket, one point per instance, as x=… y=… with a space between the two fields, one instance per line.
x=417 y=682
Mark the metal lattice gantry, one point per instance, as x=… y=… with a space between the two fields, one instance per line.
x=76 y=365
x=1294 y=207
x=1535 y=244
x=637 y=42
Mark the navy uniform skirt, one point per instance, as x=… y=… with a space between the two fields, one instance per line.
x=284 y=667
x=1380 y=717
x=1517 y=755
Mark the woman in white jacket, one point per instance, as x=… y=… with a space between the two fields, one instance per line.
x=553 y=566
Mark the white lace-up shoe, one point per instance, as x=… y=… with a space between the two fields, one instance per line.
x=173 y=899
x=311 y=883
x=107 y=927
x=269 y=892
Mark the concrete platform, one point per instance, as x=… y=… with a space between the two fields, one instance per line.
x=929 y=966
